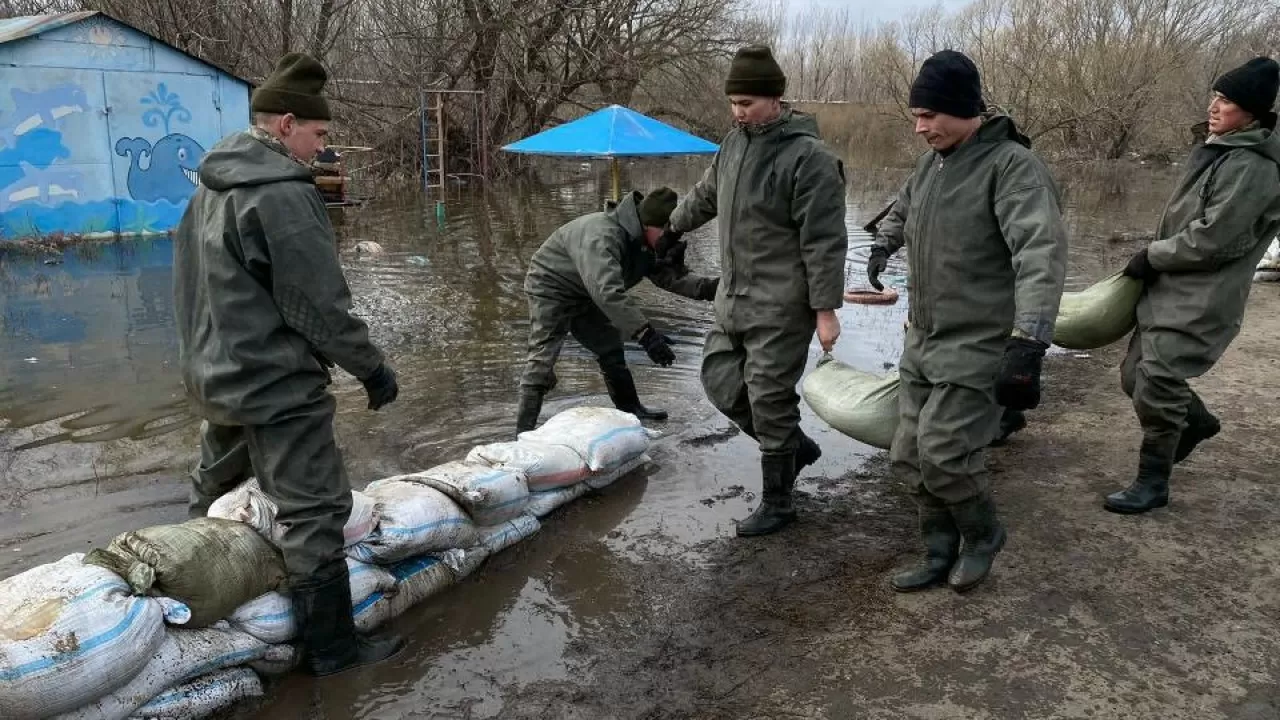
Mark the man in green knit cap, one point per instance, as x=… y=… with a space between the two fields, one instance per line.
x=577 y=285
x=779 y=194
x=263 y=311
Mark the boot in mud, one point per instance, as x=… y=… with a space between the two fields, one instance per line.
x=776 y=511
x=942 y=548
x=1150 y=490
x=982 y=535
x=327 y=632
x=622 y=390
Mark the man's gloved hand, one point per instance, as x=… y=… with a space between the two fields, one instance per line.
x=1018 y=382
x=381 y=386
x=1139 y=267
x=876 y=264
x=707 y=290
x=670 y=238
x=656 y=345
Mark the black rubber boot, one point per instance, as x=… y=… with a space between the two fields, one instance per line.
x=776 y=511
x=942 y=547
x=530 y=408
x=622 y=390
x=1150 y=490
x=327 y=633
x=1201 y=425
x=983 y=536
x=807 y=452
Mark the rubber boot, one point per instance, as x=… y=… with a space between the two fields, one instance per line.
x=942 y=547
x=1150 y=490
x=530 y=407
x=807 y=452
x=983 y=536
x=1201 y=425
x=776 y=511
x=327 y=633
x=622 y=390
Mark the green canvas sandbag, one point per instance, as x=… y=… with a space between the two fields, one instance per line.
x=211 y=565
x=1099 y=315
x=859 y=404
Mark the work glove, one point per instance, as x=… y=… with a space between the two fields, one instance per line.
x=657 y=345
x=669 y=239
x=876 y=264
x=707 y=289
x=1018 y=381
x=381 y=387
x=1139 y=267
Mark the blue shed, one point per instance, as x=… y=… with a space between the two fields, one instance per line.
x=102 y=126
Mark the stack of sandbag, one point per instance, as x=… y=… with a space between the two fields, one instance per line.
x=250 y=505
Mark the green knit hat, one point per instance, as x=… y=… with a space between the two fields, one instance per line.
x=656 y=208
x=755 y=72
x=294 y=87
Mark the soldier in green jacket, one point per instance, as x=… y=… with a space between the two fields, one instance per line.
x=779 y=194
x=262 y=311
x=1198 y=273
x=982 y=223
x=577 y=285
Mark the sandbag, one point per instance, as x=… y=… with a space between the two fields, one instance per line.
x=1099 y=315
x=862 y=405
x=69 y=634
x=491 y=496
x=203 y=696
x=545 y=466
x=417 y=578
x=211 y=565
x=277 y=660
x=250 y=505
x=270 y=617
x=493 y=540
x=1268 y=269
x=413 y=519
x=542 y=504
x=183 y=656
x=605 y=438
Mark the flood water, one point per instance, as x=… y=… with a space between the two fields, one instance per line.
x=91 y=412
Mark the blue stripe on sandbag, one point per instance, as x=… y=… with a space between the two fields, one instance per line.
x=85 y=646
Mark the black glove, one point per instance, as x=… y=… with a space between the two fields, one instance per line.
x=381 y=387
x=1139 y=267
x=1018 y=382
x=657 y=346
x=707 y=290
x=876 y=264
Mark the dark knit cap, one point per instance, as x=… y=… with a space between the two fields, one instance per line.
x=294 y=87
x=755 y=72
x=656 y=208
x=1252 y=86
x=948 y=83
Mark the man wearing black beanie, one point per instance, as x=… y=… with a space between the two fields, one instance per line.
x=1198 y=273
x=577 y=285
x=982 y=223
x=778 y=192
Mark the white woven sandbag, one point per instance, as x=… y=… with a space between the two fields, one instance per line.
x=270 y=617
x=69 y=634
x=491 y=496
x=203 y=696
x=418 y=578
x=413 y=519
x=544 y=466
x=248 y=504
x=605 y=438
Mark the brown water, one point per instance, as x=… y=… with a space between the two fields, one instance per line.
x=95 y=438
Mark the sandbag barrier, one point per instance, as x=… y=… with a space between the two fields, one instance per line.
x=181 y=621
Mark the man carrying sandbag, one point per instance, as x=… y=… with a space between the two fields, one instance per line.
x=262 y=309
x=779 y=194
x=577 y=285
x=1198 y=273
x=981 y=219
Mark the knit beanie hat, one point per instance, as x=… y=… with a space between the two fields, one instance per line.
x=1252 y=86
x=755 y=72
x=948 y=83
x=656 y=208
x=294 y=87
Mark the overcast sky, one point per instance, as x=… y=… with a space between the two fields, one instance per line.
x=873 y=9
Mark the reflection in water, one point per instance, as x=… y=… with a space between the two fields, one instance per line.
x=89 y=364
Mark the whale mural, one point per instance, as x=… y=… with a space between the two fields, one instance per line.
x=171 y=167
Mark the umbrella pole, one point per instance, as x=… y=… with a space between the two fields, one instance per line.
x=617 y=181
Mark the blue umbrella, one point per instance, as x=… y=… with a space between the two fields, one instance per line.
x=613 y=132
